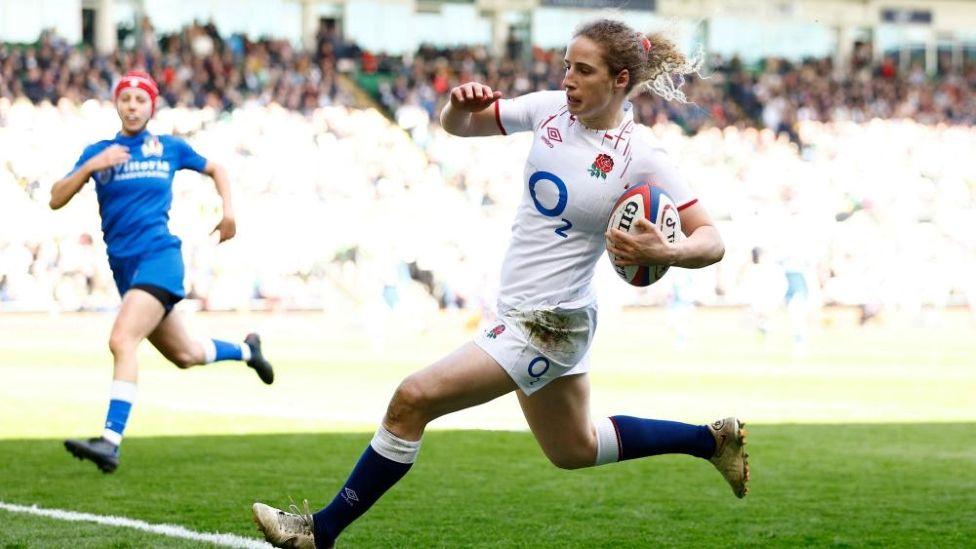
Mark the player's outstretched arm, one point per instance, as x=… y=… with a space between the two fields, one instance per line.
x=228 y=225
x=467 y=113
x=64 y=190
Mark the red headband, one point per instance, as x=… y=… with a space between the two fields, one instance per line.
x=645 y=43
x=140 y=80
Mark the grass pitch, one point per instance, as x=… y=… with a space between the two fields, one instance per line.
x=856 y=485
x=868 y=441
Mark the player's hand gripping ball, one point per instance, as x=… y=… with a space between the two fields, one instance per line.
x=652 y=204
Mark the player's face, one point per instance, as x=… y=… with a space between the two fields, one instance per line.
x=590 y=88
x=135 y=108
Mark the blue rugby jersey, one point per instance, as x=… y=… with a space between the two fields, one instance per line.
x=134 y=198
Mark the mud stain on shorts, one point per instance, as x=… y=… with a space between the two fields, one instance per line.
x=548 y=330
x=561 y=335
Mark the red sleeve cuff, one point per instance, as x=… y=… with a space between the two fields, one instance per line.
x=688 y=204
x=498 y=118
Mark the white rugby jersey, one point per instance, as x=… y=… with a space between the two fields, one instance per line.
x=573 y=177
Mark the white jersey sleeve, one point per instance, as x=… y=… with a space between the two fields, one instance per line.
x=525 y=113
x=653 y=165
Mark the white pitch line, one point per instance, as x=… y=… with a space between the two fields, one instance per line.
x=170 y=530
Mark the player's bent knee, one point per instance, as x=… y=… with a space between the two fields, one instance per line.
x=120 y=343
x=409 y=403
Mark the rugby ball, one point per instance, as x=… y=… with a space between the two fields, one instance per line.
x=654 y=205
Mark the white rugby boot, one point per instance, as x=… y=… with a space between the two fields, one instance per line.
x=283 y=529
x=730 y=456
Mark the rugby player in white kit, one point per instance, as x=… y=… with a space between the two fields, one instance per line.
x=584 y=155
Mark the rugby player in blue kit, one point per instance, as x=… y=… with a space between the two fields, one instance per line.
x=133 y=175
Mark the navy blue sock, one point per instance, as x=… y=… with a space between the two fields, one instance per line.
x=640 y=437
x=370 y=479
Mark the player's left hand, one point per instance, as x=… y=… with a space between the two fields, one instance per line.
x=227 y=228
x=647 y=246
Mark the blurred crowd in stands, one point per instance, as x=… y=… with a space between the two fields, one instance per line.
x=775 y=94
x=829 y=188
x=197 y=67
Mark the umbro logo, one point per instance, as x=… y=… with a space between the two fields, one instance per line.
x=350 y=496
x=552 y=135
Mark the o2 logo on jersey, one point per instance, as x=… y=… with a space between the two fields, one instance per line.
x=538 y=368
x=561 y=201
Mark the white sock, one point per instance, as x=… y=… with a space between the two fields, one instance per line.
x=607 y=442
x=245 y=352
x=209 y=350
x=393 y=447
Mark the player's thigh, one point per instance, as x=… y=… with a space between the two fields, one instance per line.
x=465 y=378
x=172 y=340
x=559 y=416
x=138 y=316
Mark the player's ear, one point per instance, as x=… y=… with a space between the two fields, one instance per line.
x=622 y=80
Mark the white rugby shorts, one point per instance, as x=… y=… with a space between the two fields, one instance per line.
x=536 y=347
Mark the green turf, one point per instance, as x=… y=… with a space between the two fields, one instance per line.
x=869 y=440
x=848 y=485
x=330 y=377
x=21 y=531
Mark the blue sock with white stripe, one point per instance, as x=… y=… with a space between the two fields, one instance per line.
x=621 y=438
x=385 y=461
x=121 y=397
x=215 y=350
